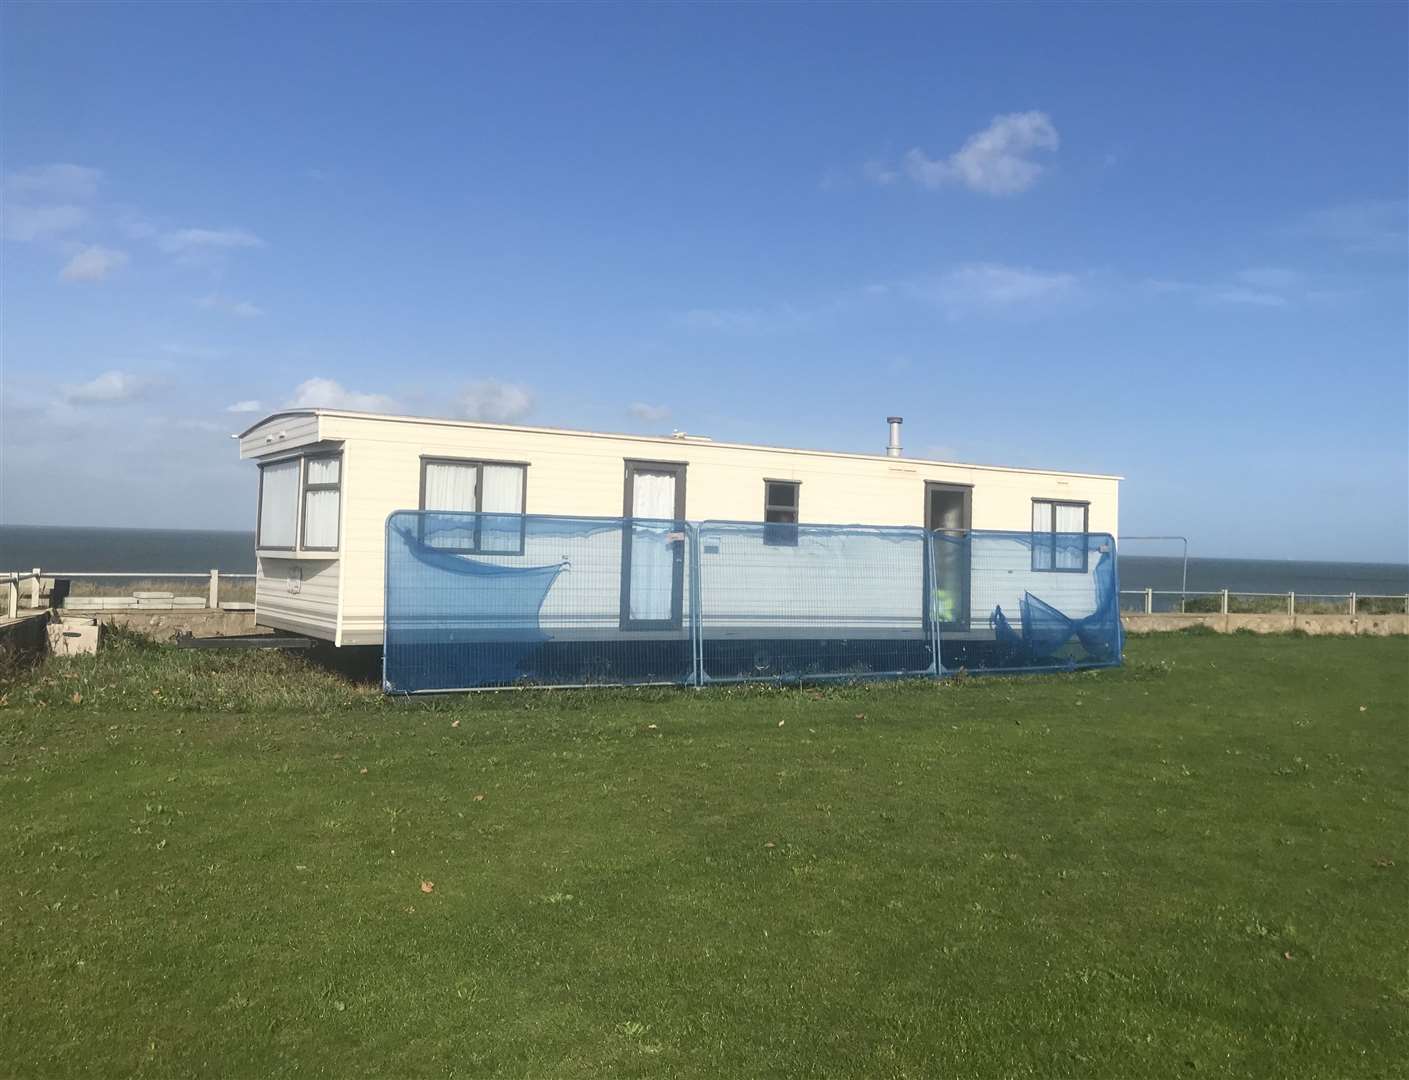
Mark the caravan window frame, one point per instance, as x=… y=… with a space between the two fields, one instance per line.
x=1050 y=547
x=305 y=487
x=476 y=547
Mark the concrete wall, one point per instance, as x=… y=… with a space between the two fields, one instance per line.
x=164 y=625
x=1370 y=625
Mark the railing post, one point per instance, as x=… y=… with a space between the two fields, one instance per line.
x=1223 y=604
x=1149 y=601
x=213 y=600
x=1352 y=605
x=34 y=589
x=1291 y=603
x=13 y=588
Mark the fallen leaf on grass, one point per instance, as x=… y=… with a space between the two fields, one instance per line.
x=861 y=716
x=1384 y=861
x=427 y=886
x=362 y=771
x=1286 y=956
x=769 y=844
x=1363 y=707
x=479 y=797
x=77 y=697
x=781 y=723
x=651 y=727
x=454 y=723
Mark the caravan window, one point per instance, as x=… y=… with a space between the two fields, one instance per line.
x=780 y=512
x=278 y=505
x=496 y=490
x=322 y=501
x=1059 y=535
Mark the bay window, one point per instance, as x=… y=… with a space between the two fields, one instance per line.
x=300 y=504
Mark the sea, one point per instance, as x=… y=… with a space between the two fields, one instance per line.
x=144 y=551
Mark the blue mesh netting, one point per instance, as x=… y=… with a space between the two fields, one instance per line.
x=484 y=600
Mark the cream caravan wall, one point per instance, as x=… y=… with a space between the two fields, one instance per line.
x=583 y=474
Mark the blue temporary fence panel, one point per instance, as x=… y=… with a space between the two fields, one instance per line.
x=1030 y=601
x=495 y=600
x=786 y=603
x=492 y=600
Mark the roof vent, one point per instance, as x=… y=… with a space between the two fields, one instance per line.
x=893 y=447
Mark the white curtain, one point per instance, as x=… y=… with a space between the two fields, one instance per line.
x=652 y=556
x=451 y=486
x=323 y=470
x=1041 y=517
x=1071 y=548
x=278 y=505
x=501 y=492
x=320 y=519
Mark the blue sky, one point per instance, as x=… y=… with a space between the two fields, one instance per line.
x=1166 y=242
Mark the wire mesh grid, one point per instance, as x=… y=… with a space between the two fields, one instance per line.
x=483 y=600
x=786 y=603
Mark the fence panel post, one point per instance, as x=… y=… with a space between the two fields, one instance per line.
x=1352 y=605
x=1149 y=601
x=13 y=588
x=1223 y=603
x=1291 y=603
x=213 y=599
x=34 y=590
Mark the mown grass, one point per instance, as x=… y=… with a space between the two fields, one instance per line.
x=213 y=864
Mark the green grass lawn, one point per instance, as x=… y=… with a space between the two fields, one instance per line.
x=213 y=865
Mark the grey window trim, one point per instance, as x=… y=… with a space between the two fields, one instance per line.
x=305 y=487
x=961 y=616
x=677 y=587
x=477 y=547
x=781 y=533
x=967 y=490
x=298 y=505
x=1052 y=548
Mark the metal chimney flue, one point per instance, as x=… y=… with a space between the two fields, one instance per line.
x=893 y=447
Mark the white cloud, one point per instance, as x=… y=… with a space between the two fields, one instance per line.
x=328 y=394
x=647 y=413
x=58 y=181
x=219 y=302
x=1268 y=277
x=992 y=287
x=182 y=241
x=994 y=161
x=1253 y=297
x=495 y=401
x=1367 y=227
x=108 y=388
x=28 y=223
x=249 y=406
x=93 y=263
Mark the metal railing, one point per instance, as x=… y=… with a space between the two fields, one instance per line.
x=1244 y=602
x=15 y=578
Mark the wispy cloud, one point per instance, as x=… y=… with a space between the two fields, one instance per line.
x=999 y=160
x=108 y=388
x=93 y=263
x=319 y=393
x=250 y=406
x=183 y=241
x=1366 y=227
x=58 y=181
x=29 y=223
x=495 y=401
x=229 y=305
x=647 y=413
x=991 y=287
x=1251 y=297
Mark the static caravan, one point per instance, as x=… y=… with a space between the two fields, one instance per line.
x=330 y=479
